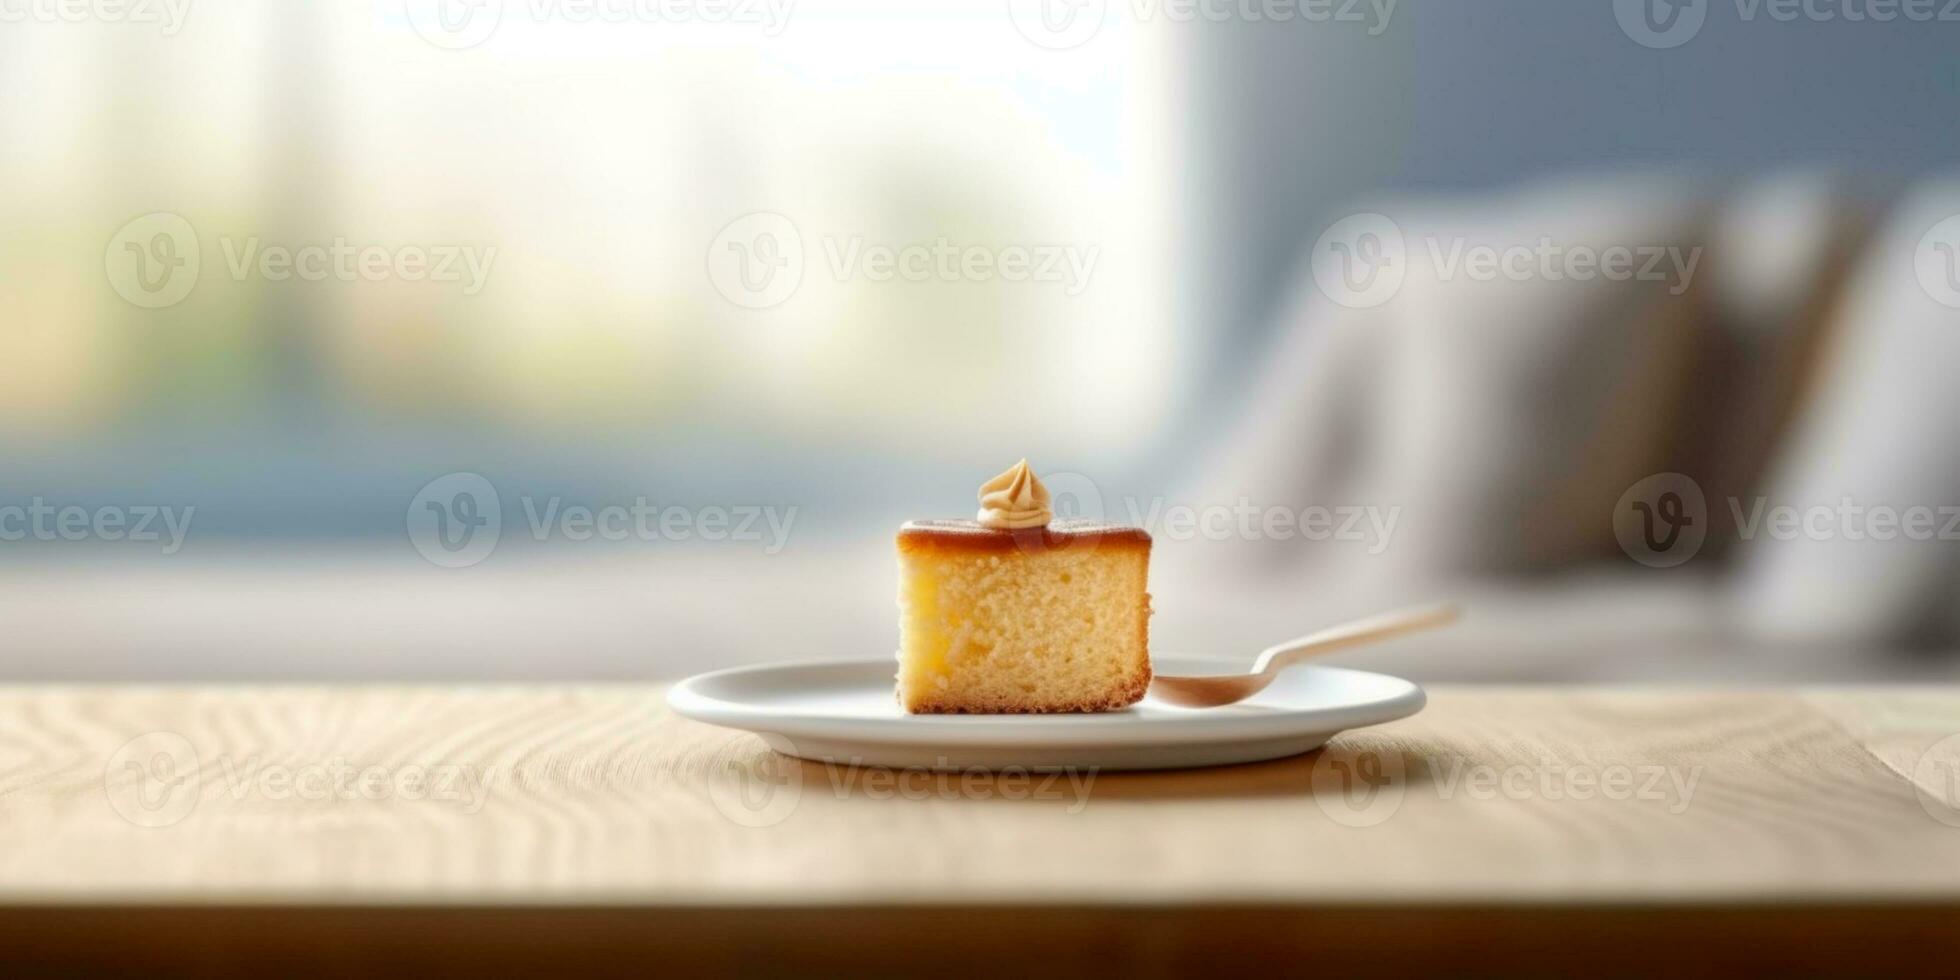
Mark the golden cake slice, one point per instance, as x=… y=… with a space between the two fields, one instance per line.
x=1041 y=617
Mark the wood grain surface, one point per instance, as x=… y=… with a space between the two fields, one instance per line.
x=125 y=806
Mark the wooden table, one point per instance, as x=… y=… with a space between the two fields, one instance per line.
x=275 y=831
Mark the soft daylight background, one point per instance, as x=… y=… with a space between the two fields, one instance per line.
x=596 y=162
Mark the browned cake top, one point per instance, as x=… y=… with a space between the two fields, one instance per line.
x=968 y=535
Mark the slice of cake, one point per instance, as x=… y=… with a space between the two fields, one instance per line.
x=1014 y=612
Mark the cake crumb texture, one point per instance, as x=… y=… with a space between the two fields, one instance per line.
x=1014 y=631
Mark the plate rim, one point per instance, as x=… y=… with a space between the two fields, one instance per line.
x=686 y=699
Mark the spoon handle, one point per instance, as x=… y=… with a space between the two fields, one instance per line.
x=1355 y=633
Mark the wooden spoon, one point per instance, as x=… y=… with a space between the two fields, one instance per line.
x=1212 y=691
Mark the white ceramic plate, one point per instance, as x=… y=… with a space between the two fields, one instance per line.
x=845 y=712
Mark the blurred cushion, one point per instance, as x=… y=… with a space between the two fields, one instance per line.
x=1883 y=431
x=1498 y=417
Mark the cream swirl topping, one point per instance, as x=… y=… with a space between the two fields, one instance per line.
x=1014 y=500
